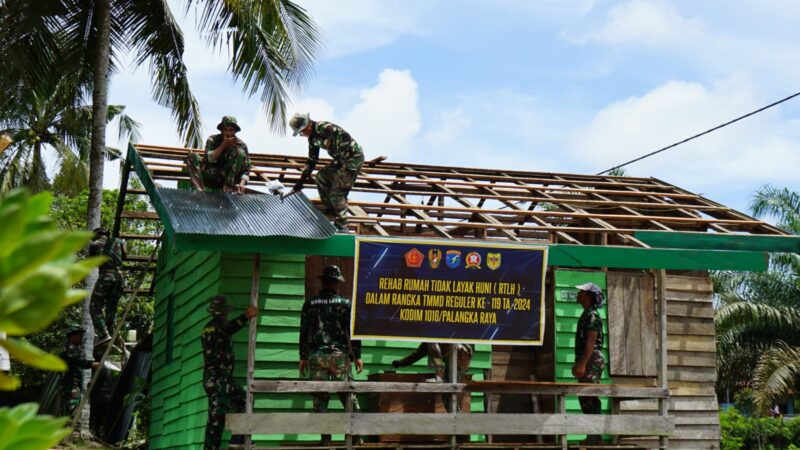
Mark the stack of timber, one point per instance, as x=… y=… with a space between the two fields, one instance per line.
x=691 y=369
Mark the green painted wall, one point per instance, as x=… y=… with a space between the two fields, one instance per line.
x=179 y=402
x=567 y=311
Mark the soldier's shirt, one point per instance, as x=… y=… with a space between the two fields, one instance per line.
x=215 y=140
x=73 y=356
x=114 y=249
x=339 y=144
x=217 y=342
x=589 y=321
x=325 y=326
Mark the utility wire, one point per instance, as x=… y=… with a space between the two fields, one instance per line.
x=703 y=133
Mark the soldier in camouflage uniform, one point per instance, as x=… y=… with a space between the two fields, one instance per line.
x=226 y=163
x=224 y=394
x=325 y=346
x=439 y=359
x=72 y=380
x=589 y=361
x=108 y=289
x=335 y=180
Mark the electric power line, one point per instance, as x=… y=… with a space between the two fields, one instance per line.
x=703 y=133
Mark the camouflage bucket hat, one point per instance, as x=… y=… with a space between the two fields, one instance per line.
x=332 y=272
x=101 y=230
x=228 y=121
x=298 y=122
x=218 y=305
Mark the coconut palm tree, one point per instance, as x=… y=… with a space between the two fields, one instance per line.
x=42 y=119
x=758 y=319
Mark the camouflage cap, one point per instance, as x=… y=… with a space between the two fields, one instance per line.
x=298 y=122
x=332 y=272
x=228 y=121
x=218 y=305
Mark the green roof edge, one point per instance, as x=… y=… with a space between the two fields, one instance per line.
x=711 y=241
x=585 y=256
x=150 y=186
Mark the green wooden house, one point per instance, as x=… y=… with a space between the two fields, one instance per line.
x=649 y=244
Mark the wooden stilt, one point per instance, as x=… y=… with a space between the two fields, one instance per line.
x=251 y=342
x=663 y=403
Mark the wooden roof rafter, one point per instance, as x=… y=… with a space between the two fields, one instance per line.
x=496 y=204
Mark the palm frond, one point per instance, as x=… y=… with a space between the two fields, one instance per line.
x=156 y=37
x=777 y=375
x=271 y=43
x=782 y=204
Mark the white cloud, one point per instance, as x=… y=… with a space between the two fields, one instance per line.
x=643 y=22
x=757 y=148
x=361 y=25
x=448 y=126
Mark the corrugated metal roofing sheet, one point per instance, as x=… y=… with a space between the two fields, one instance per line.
x=221 y=214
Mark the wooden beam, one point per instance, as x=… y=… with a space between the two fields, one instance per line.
x=710 y=241
x=661 y=299
x=503 y=387
x=458 y=424
x=252 y=329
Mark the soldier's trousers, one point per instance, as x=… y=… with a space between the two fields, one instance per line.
x=224 y=396
x=226 y=172
x=70 y=399
x=330 y=367
x=594 y=370
x=334 y=183
x=103 y=305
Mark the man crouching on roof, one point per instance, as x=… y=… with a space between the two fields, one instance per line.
x=226 y=163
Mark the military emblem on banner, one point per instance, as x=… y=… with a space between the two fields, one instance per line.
x=473 y=260
x=414 y=258
x=434 y=258
x=452 y=258
x=493 y=260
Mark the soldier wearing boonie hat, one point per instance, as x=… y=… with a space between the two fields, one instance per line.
x=224 y=394
x=325 y=346
x=335 y=180
x=226 y=163
x=589 y=360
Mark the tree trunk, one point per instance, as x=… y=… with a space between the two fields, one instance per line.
x=102 y=24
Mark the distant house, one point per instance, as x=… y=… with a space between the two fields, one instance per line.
x=644 y=241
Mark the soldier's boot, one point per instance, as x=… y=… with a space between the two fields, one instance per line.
x=341 y=225
x=325 y=440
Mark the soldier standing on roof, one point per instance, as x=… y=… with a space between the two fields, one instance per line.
x=325 y=346
x=224 y=395
x=72 y=381
x=108 y=289
x=226 y=163
x=589 y=361
x=335 y=180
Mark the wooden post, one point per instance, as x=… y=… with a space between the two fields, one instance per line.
x=561 y=408
x=453 y=397
x=663 y=403
x=251 y=342
x=348 y=407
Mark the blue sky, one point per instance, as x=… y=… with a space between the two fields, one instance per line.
x=552 y=85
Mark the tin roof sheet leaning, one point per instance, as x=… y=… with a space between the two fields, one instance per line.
x=257 y=215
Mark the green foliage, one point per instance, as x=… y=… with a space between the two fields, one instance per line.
x=69 y=213
x=37 y=273
x=742 y=432
x=22 y=429
x=759 y=314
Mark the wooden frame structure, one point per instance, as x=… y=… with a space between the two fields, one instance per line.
x=587 y=221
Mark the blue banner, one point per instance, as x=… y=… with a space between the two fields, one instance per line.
x=448 y=291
